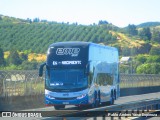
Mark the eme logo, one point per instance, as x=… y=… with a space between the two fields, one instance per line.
x=68 y=51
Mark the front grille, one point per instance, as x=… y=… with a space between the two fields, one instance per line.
x=71 y=98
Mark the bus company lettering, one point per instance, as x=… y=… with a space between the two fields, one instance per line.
x=67 y=63
x=71 y=62
x=68 y=51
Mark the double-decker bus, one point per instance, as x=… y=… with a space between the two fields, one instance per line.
x=80 y=73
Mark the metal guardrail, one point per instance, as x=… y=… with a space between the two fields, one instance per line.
x=20 y=90
x=22 y=83
x=139 y=80
x=131 y=109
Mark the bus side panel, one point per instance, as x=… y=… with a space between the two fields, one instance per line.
x=105 y=60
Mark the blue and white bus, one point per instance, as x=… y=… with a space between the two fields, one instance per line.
x=81 y=73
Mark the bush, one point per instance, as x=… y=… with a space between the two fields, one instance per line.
x=153 y=59
x=33 y=65
x=155 y=50
x=14 y=58
x=149 y=68
x=141 y=58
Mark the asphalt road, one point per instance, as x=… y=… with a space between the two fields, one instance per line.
x=120 y=100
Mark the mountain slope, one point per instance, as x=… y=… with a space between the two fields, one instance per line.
x=36 y=36
x=148 y=24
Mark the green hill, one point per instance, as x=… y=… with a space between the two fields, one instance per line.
x=148 y=24
x=36 y=35
x=7 y=19
x=25 y=38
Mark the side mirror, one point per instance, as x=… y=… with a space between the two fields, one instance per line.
x=41 y=69
x=87 y=69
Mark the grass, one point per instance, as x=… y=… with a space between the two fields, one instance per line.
x=24 y=88
x=124 y=40
x=31 y=56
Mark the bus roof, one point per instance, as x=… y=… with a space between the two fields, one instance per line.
x=79 y=43
x=72 y=43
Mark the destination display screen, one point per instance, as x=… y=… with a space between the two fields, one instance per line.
x=67 y=57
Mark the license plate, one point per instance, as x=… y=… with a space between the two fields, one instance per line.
x=65 y=103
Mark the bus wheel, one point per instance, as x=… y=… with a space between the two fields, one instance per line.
x=94 y=104
x=96 y=101
x=99 y=98
x=115 y=95
x=112 y=98
x=57 y=107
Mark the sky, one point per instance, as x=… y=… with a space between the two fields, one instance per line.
x=86 y=12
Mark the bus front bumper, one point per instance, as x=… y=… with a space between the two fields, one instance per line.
x=82 y=100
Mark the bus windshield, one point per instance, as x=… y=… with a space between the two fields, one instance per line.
x=67 y=79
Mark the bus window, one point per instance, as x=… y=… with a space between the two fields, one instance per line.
x=104 y=79
x=109 y=79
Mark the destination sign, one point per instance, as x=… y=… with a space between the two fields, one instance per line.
x=67 y=57
x=67 y=63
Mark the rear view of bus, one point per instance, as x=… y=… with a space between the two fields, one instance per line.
x=77 y=73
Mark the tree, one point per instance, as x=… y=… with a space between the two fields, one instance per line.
x=132 y=30
x=156 y=36
x=155 y=50
x=141 y=58
x=149 y=68
x=102 y=22
x=145 y=48
x=145 y=34
x=153 y=59
x=23 y=56
x=36 y=20
x=14 y=58
x=126 y=51
x=43 y=20
x=2 y=61
x=29 y=20
x=33 y=65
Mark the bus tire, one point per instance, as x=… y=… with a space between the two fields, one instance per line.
x=112 y=98
x=95 y=104
x=57 y=107
x=115 y=95
x=99 y=98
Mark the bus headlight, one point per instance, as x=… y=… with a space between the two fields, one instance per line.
x=49 y=96
x=82 y=96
